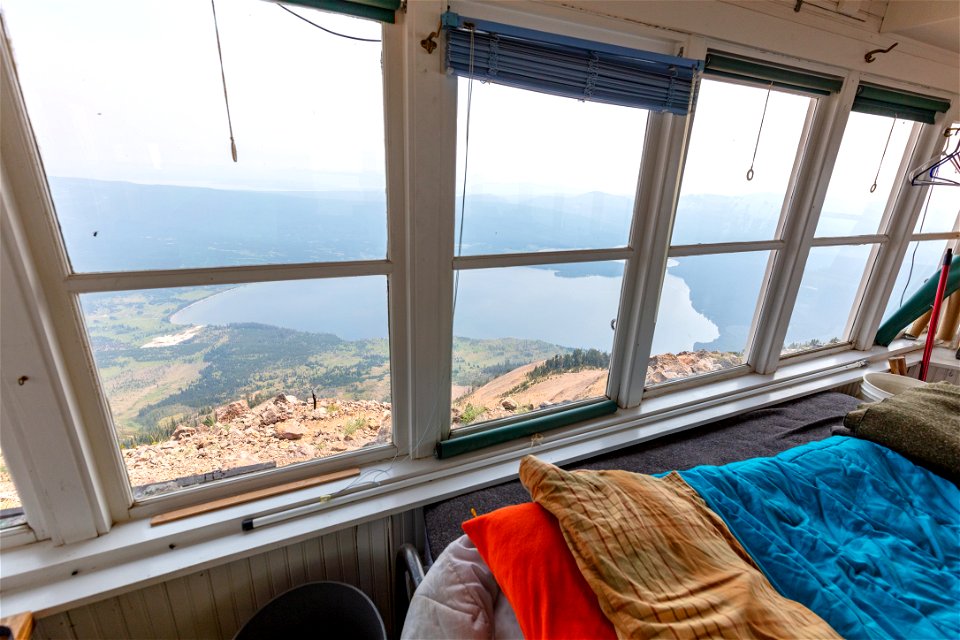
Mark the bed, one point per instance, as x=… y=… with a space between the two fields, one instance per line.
x=773 y=527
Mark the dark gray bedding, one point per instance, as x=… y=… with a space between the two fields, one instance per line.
x=764 y=432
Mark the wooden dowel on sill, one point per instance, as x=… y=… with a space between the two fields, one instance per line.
x=950 y=318
x=223 y=503
x=916 y=329
x=898 y=365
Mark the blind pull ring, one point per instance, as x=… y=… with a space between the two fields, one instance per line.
x=759 y=131
x=873 y=187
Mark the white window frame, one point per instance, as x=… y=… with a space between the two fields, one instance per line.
x=99 y=465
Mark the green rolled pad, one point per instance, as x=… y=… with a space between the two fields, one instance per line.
x=737 y=68
x=918 y=304
x=892 y=103
x=380 y=10
x=465 y=444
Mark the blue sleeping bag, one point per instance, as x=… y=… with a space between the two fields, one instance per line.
x=855 y=532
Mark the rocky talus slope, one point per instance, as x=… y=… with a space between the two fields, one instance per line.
x=514 y=392
x=285 y=430
x=278 y=432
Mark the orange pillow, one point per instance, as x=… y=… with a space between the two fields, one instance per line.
x=525 y=550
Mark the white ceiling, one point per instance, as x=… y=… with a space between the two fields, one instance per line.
x=935 y=22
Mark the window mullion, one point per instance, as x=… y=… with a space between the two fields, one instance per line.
x=431 y=111
x=807 y=189
x=394 y=74
x=903 y=217
x=657 y=194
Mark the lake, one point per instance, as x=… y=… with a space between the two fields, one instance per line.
x=516 y=302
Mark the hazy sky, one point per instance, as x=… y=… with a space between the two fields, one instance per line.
x=122 y=90
x=132 y=91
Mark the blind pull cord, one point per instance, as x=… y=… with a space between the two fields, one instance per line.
x=759 y=131
x=223 y=78
x=873 y=187
x=466 y=160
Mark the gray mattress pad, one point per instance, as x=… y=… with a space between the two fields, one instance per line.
x=764 y=432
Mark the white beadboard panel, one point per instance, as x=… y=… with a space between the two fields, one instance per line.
x=216 y=602
x=55 y=626
x=110 y=619
x=84 y=623
x=183 y=615
x=205 y=617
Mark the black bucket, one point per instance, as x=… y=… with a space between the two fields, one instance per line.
x=317 y=610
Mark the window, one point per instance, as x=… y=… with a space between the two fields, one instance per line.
x=827 y=293
x=869 y=155
x=717 y=201
x=729 y=194
x=866 y=178
x=213 y=362
x=535 y=336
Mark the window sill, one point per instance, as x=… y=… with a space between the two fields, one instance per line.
x=47 y=579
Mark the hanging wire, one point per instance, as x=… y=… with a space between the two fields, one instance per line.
x=759 y=131
x=466 y=160
x=913 y=256
x=873 y=187
x=333 y=33
x=223 y=78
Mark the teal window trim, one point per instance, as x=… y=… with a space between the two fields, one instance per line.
x=379 y=10
x=459 y=445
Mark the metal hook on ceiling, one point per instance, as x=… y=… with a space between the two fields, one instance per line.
x=869 y=57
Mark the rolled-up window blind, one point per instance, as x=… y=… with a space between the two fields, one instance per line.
x=381 y=10
x=723 y=65
x=568 y=67
x=904 y=105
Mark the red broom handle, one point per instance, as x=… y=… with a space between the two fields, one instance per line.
x=935 y=314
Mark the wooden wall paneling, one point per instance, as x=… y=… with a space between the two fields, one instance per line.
x=331 y=557
x=278 y=570
x=110 y=618
x=244 y=598
x=224 y=599
x=55 y=627
x=178 y=595
x=347 y=544
x=136 y=613
x=259 y=578
x=295 y=563
x=84 y=624
x=313 y=558
x=205 y=616
x=379 y=562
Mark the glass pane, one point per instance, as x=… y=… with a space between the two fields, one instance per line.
x=11 y=510
x=706 y=310
x=135 y=140
x=943 y=207
x=921 y=262
x=528 y=338
x=212 y=381
x=850 y=208
x=544 y=172
x=717 y=201
x=829 y=286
